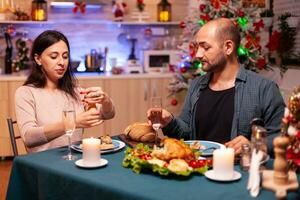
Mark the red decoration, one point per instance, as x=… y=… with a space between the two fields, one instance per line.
x=79 y=6
x=273 y=44
x=148 y=32
x=202 y=7
x=183 y=69
x=252 y=41
x=258 y=25
x=174 y=102
x=182 y=24
x=217 y=3
x=205 y=17
x=261 y=63
x=241 y=13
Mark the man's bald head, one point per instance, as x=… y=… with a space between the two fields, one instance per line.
x=224 y=29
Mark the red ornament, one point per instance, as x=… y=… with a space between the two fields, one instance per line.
x=140 y=1
x=241 y=13
x=174 y=102
x=274 y=41
x=148 y=32
x=252 y=41
x=182 y=24
x=217 y=3
x=183 y=69
x=205 y=17
x=79 y=6
x=298 y=135
x=202 y=7
x=261 y=63
x=258 y=25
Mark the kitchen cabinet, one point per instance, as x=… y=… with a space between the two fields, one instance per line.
x=131 y=95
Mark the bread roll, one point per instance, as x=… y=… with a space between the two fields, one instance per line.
x=140 y=132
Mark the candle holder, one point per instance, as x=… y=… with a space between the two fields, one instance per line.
x=39 y=10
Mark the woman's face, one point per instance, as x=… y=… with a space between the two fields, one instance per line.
x=54 y=60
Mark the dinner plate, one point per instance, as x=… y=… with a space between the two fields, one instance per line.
x=117 y=143
x=209 y=146
x=102 y=162
x=211 y=175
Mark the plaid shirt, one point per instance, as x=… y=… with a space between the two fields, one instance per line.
x=255 y=97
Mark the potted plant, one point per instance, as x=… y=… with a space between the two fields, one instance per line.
x=267 y=16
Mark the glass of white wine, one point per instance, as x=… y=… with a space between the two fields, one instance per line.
x=156 y=116
x=69 y=120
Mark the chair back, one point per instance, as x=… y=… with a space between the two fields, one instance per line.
x=13 y=137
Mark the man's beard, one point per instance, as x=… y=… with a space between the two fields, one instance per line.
x=216 y=65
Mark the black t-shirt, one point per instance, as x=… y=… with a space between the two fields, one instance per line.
x=214 y=113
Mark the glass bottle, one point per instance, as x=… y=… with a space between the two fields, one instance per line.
x=245 y=159
x=39 y=10
x=259 y=139
x=164 y=12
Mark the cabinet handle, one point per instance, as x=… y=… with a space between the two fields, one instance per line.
x=154 y=90
x=145 y=91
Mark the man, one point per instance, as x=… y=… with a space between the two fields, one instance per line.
x=220 y=105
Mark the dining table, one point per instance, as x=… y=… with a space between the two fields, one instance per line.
x=45 y=175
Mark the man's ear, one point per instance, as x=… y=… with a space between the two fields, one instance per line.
x=228 y=47
x=37 y=59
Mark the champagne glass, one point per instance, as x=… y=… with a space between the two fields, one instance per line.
x=156 y=116
x=69 y=120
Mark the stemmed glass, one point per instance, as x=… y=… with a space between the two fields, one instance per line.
x=69 y=120
x=156 y=116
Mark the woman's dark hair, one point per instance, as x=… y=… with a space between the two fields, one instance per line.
x=37 y=76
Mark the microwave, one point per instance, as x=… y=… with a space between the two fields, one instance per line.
x=156 y=60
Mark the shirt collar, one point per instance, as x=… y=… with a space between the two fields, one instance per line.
x=242 y=74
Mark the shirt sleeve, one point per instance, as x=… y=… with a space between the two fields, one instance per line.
x=32 y=134
x=274 y=105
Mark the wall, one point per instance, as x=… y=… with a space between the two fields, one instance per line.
x=93 y=30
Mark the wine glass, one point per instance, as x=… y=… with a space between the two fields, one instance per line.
x=156 y=115
x=69 y=120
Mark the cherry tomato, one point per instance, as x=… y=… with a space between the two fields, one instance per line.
x=146 y=157
x=166 y=165
x=200 y=163
x=193 y=164
x=209 y=162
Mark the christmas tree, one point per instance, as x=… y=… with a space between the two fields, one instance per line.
x=249 y=24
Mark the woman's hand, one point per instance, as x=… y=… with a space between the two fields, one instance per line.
x=95 y=95
x=88 y=119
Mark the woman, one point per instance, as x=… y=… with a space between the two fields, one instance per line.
x=50 y=86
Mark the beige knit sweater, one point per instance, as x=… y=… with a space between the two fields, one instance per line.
x=36 y=107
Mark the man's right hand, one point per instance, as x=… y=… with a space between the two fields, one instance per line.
x=165 y=120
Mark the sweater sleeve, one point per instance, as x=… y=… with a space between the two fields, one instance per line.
x=32 y=134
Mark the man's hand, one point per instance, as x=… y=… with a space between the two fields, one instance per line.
x=165 y=118
x=237 y=143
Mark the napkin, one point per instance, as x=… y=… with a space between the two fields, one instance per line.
x=254 y=177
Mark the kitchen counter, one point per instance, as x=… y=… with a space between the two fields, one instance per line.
x=93 y=75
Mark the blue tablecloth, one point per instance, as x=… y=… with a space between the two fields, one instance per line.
x=46 y=175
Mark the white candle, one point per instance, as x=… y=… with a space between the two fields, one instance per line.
x=91 y=150
x=223 y=160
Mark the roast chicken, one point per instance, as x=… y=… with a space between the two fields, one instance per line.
x=173 y=149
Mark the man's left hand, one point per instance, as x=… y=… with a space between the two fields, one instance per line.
x=237 y=143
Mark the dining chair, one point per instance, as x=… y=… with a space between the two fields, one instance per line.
x=13 y=137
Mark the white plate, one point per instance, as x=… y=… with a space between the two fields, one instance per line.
x=211 y=175
x=207 y=144
x=118 y=145
x=102 y=162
